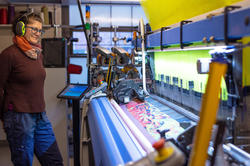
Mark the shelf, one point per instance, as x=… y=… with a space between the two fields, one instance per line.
x=24 y=2
x=10 y=25
x=5 y=25
x=44 y=26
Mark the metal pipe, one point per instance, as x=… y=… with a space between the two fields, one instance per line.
x=177 y=108
x=237 y=154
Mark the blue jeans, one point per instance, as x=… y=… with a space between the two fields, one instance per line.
x=29 y=133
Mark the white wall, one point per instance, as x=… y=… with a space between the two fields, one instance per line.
x=56 y=108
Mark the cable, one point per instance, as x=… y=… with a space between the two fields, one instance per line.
x=87 y=39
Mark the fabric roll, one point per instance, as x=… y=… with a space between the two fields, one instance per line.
x=11 y=14
x=3 y=16
x=50 y=18
x=42 y=16
x=45 y=14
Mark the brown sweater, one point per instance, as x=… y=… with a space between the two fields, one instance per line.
x=21 y=81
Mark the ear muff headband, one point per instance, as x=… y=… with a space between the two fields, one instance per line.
x=20 y=28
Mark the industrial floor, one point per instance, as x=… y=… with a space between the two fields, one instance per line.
x=5 y=154
x=5 y=158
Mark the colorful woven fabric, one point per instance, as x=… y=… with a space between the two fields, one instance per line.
x=152 y=119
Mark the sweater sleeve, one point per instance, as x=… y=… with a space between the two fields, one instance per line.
x=5 y=69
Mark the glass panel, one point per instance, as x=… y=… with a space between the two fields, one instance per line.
x=79 y=47
x=106 y=39
x=74 y=15
x=100 y=14
x=79 y=78
x=138 y=13
x=121 y=15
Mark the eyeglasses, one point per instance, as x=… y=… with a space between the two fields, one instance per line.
x=35 y=30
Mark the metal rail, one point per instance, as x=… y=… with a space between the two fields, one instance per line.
x=177 y=108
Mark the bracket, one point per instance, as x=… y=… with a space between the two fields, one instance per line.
x=181 y=31
x=227 y=9
x=161 y=41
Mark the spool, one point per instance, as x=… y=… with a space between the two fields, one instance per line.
x=46 y=15
x=11 y=14
x=42 y=16
x=50 y=18
x=3 y=16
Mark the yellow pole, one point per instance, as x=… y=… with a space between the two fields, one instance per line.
x=210 y=103
x=246 y=62
x=107 y=76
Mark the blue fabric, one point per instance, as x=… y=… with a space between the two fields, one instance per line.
x=28 y=133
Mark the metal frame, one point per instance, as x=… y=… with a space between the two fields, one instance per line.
x=195 y=32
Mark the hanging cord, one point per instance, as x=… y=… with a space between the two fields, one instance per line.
x=87 y=39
